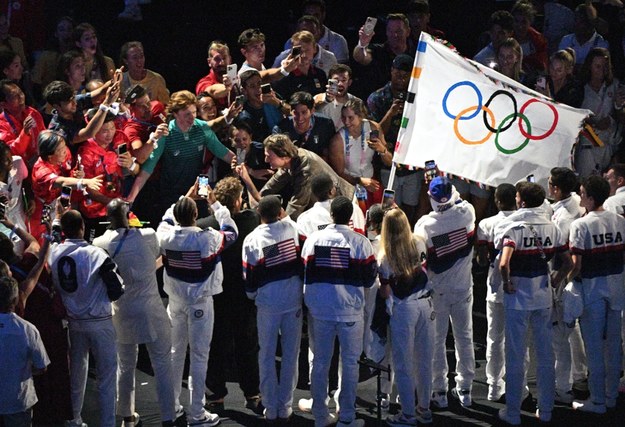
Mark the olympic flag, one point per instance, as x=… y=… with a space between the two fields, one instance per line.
x=480 y=125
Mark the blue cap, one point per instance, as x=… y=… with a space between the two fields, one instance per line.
x=440 y=189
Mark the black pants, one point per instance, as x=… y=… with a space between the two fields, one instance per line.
x=235 y=339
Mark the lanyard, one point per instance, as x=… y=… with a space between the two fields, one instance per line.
x=11 y=123
x=121 y=242
x=362 y=144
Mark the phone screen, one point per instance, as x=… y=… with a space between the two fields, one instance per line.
x=203 y=186
x=266 y=88
x=122 y=148
x=430 y=170
x=374 y=134
x=296 y=51
x=388 y=199
x=66 y=194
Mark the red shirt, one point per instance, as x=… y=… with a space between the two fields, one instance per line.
x=207 y=81
x=43 y=177
x=101 y=161
x=138 y=129
x=21 y=144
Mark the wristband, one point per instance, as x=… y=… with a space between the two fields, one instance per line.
x=284 y=72
x=104 y=108
x=134 y=166
x=79 y=185
x=361 y=46
x=56 y=222
x=152 y=138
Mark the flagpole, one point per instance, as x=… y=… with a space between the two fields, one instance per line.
x=391 y=178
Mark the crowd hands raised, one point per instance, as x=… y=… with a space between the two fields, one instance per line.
x=281 y=171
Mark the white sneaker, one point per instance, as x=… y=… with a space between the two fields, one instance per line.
x=439 y=400
x=503 y=416
x=305 y=405
x=494 y=393
x=330 y=419
x=589 y=406
x=73 y=423
x=543 y=416
x=424 y=416
x=463 y=396
x=206 y=420
x=565 y=397
x=401 y=419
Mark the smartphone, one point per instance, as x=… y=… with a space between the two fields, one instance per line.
x=401 y=96
x=530 y=178
x=333 y=86
x=430 y=170
x=374 y=134
x=370 y=25
x=122 y=149
x=240 y=100
x=266 y=88
x=388 y=198
x=202 y=190
x=66 y=194
x=231 y=71
x=296 y=51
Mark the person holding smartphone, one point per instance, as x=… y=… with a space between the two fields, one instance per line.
x=181 y=152
x=354 y=146
x=223 y=90
x=52 y=171
x=107 y=155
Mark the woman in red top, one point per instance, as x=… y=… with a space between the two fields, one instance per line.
x=99 y=157
x=52 y=171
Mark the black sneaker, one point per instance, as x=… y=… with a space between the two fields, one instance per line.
x=255 y=404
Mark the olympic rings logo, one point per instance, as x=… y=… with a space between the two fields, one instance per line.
x=490 y=122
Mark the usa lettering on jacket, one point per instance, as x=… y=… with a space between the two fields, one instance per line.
x=530 y=242
x=607 y=238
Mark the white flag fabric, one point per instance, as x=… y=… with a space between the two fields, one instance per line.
x=480 y=125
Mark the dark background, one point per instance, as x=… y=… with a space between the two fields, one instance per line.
x=175 y=34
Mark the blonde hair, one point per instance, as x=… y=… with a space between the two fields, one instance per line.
x=566 y=57
x=398 y=245
x=180 y=100
x=303 y=37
